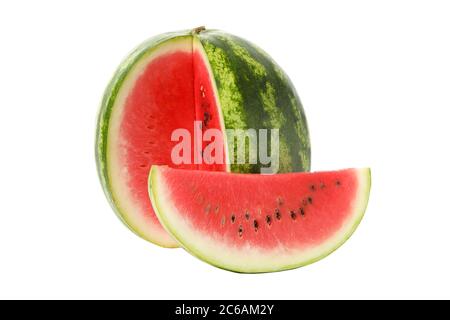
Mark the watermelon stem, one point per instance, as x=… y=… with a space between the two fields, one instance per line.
x=198 y=29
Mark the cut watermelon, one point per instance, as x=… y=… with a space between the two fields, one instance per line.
x=168 y=83
x=259 y=223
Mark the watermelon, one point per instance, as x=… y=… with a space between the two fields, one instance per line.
x=259 y=223
x=174 y=81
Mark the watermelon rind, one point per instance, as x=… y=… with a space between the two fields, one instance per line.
x=227 y=258
x=254 y=92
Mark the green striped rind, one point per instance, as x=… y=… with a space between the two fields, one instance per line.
x=104 y=115
x=255 y=93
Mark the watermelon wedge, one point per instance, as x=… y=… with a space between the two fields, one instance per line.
x=259 y=223
x=173 y=81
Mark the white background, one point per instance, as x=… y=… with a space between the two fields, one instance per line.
x=374 y=78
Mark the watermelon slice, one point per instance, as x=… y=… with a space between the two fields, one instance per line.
x=259 y=223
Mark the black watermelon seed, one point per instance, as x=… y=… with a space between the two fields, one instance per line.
x=338 y=183
x=293 y=215
x=233 y=218
x=310 y=200
x=255 y=225
x=302 y=212
x=206 y=118
x=277 y=214
x=240 y=231
x=247 y=215
x=269 y=220
x=312 y=187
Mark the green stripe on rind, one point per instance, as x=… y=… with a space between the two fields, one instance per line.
x=361 y=202
x=104 y=116
x=255 y=93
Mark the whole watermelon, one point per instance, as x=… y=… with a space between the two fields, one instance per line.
x=178 y=79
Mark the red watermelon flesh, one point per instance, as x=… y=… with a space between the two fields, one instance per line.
x=259 y=223
x=170 y=90
x=206 y=109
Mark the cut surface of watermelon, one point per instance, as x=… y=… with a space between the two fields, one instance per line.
x=156 y=98
x=259 y=223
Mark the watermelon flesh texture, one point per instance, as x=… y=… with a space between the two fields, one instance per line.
x=172 y=91
x=259 y=223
